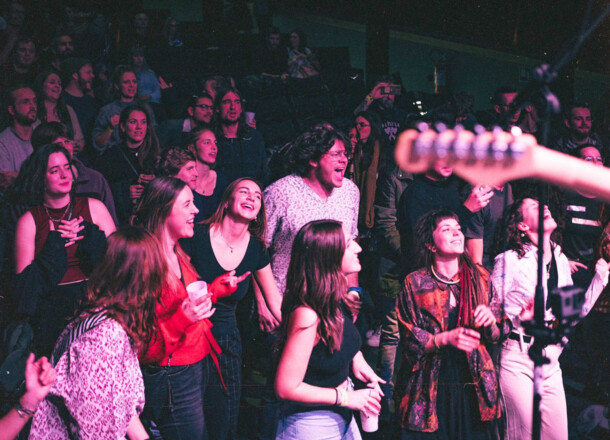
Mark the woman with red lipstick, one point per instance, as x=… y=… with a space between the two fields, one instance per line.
x=130 y=165
x=211 y=183
x=52 y=108
x=57 y=242
x=233 y=240
x=447 y=386
x=183 y=352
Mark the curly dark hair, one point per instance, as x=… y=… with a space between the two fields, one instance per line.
x=29 y=186
x=312 y=145
x=515 y=239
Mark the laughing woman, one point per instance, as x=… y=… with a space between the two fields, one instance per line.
x=233 y=240
x=183 y=350
x=319 y=342
x=447 y=386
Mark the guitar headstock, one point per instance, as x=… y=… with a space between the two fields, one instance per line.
x=490 y=158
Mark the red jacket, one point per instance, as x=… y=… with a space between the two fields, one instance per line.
x=187 y=342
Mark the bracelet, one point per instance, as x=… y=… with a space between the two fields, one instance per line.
x=336 y=396
x=22 y=411
x=435 y=343
x=342 y=397
x=369 y=98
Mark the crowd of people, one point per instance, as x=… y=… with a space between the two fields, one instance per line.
x=113 y=208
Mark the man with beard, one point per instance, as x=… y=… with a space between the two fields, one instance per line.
x=381 y=100
x=503 y=112
x=78 y=74
x=15 y=145
x=61 y=48
x=577 y=119
x=200 y=112
x=241 y=149
x=317 y=190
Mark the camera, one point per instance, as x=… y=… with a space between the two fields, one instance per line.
x=566 y=303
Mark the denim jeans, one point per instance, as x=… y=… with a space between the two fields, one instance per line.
x=222 y=406
x=174 y=400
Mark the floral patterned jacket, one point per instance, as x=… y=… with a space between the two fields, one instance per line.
x=423 y=310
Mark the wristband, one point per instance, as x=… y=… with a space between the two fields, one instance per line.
x=356 y=291
x=369 y=99
x=435 y=343
x=342 y=397
x=22 y=411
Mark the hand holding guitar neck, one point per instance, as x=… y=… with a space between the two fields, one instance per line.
x=494 y=158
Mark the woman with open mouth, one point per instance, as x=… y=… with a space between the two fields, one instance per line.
x=177 y=362
x=514 y=280
x=232 y=240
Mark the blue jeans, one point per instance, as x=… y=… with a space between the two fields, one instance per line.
x=222 y=406
x=174 y=400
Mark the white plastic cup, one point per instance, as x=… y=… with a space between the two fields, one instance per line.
x=250 y=117
x=370 y=422
x=197 y=291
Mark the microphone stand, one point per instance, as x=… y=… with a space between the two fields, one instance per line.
x=543 y=76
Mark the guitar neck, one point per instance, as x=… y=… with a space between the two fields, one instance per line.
x=493 y=158
x=571 y=173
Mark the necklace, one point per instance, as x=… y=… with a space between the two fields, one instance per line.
x=63 y=217
x=443 y=280
x=231 y=248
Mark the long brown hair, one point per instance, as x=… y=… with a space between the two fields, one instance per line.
x=153 y=210
x=257 y=227
x=126 y=288
x=315 y=280
x=472 y=287
x=150 y=149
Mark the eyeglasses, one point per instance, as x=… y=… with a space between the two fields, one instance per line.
x=362 y=125
x=337 y=154
x=203 y=106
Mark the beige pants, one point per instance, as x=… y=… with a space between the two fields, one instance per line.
x=517 y=384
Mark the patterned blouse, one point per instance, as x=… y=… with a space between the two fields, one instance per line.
x=423 y=311
x=99 y=388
